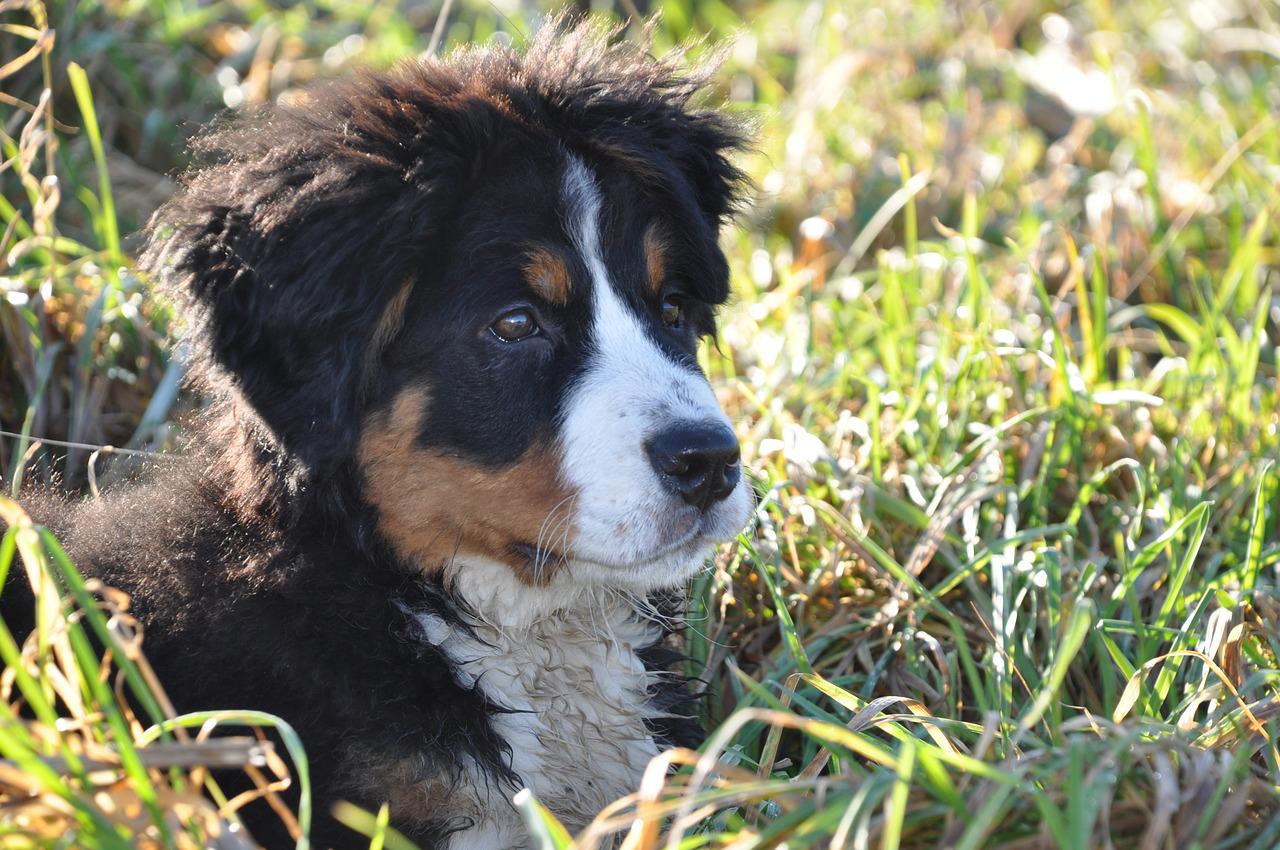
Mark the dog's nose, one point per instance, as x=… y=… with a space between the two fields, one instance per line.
x=697 y=462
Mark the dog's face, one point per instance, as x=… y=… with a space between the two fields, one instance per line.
x=480 y=284
x=542 y=405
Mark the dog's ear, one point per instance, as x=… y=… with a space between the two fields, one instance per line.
x=703 y=148
x=285 y=250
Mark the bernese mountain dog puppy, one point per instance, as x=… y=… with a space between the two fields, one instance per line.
x=458 y=447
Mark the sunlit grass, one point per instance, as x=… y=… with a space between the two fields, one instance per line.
x=92 y=747
x=1003 y=355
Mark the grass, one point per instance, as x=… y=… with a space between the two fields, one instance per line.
x=1003 y=354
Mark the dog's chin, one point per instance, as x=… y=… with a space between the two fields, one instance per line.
x=635 y=564
x=496 y=596
x=666 y=565
x=669 y=569
x=681 y=551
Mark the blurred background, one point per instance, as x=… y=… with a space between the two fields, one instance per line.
x=1002 y=353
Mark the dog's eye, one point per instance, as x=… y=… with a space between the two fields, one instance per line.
x=514 y=326
x=672 y=312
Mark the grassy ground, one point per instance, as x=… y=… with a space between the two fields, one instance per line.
x=1003 y=355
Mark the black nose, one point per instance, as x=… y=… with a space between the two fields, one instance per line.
x=698 y=462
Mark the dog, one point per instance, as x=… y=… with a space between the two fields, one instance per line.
x=458 y=455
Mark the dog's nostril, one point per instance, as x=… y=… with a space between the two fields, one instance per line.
x=696 y=461
x=675 y=465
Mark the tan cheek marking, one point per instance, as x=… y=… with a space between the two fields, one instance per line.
x=547 y=275
x=433 y=508
x=655 y=258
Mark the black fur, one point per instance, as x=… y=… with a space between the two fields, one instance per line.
x=254 y=562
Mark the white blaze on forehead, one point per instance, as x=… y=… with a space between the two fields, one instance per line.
x=630 y=391
x=619 y=343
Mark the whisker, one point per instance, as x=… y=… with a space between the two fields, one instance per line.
x=551 y=523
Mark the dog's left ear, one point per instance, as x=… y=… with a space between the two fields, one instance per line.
x=285 y=251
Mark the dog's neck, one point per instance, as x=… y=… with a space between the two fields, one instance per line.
x=567 y=664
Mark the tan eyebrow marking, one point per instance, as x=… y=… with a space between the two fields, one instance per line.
x=655 y=258
x=546 y=273
x=389 y=324
x=392 y=319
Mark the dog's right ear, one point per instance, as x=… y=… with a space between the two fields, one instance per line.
x=285 y=248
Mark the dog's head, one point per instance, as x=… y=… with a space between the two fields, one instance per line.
x=479 y=283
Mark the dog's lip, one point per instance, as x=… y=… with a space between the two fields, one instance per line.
x=537 y=553
x=696 y=537
x=696 y=530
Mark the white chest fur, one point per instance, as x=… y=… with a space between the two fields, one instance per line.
x=564 y=661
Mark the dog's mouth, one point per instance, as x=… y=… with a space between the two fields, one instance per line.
x=539 y=555
x=684 y=536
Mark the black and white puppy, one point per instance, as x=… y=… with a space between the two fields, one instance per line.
x=458 y=436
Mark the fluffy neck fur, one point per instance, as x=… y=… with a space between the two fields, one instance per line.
x=568 y=665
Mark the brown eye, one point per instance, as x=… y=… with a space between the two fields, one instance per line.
x=514 y=326
x=671 y=312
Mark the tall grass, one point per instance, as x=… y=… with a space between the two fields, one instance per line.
x=1003 y=355
x=93 y=750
